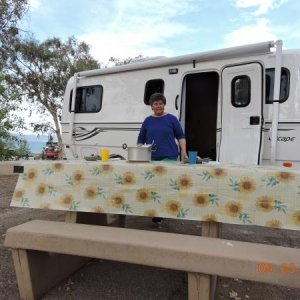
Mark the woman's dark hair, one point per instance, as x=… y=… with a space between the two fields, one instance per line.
x=157 y=97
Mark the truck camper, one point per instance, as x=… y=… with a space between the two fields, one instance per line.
x=236 y=105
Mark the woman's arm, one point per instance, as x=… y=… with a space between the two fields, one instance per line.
x=142 y=135
x=182 y=145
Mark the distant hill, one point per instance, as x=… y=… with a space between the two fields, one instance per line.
x=32 y=137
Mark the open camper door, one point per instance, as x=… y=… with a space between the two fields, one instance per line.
x=241 y=114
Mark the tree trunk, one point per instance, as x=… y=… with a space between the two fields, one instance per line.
x=58 y=133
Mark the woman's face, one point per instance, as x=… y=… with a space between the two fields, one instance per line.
x=158 y=107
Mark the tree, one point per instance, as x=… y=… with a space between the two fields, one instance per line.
x=22 y=149
x=9 y=102
x=40 y=72
x=11 y=12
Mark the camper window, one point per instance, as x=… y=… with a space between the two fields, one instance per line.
x=284 y=85
x=153 y=86
x=240 y=91
x=88 y=99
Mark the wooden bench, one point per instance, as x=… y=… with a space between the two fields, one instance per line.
x=45 y=252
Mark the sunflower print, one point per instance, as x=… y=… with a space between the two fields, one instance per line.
x=66 y=200
x=151 y=213
x=31 y=175
x=106 y=169
x=143 y=195
x=265 y=203
x=296 y=218
x=78 y=177
x=263 y=196
x=90 y=192
x=129 y=178
x=58 y=167
x=201 y=200
x=284 y=177
x=41 y=189
x=18 y=194
x=97 y=209
x=233 y=208
x=274 y=224
x=159 y=170
x=247 y=185
x=209 y=218
x=219 y=173
x=173 y=207
x=184 y=182
x=117 y=200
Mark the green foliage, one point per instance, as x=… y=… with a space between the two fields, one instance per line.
x=22 y=148
x=11 y=11
x=4 y=151
x=43 y=69
x=13 y=147
x=40 y=72
x=9 y=102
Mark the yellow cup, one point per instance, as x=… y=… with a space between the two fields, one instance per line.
x=104 y=154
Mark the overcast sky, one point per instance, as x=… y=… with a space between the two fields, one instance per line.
x=127 y=28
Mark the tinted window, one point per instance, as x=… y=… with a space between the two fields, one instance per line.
x=88 y=99
x=284 y=85
x=153 y=86
x=240 y=91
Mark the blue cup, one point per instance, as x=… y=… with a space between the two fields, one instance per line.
x=192 y=157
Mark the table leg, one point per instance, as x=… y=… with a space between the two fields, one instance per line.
x=199 y=286
x=202 y=286
x=71 y=217
x=212 y=229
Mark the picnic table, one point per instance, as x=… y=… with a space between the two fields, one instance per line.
x=210 y=193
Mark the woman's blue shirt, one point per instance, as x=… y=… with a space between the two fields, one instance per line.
x=162 y=132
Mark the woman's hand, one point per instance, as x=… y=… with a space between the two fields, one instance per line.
x=185 y=159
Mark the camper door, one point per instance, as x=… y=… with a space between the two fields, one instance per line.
x=241 y=114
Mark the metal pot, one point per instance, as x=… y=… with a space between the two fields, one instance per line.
x=140 y=153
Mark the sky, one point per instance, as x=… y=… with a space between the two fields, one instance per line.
x=128 y=28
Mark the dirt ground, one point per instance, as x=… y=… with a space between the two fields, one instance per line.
x=106 y=280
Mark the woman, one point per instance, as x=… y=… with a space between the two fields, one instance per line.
x=161 y=129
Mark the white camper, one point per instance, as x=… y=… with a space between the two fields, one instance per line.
x=236 y=105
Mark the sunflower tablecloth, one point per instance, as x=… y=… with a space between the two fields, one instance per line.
x=236 y=194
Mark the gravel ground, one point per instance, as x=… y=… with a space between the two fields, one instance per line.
x=107 y=280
